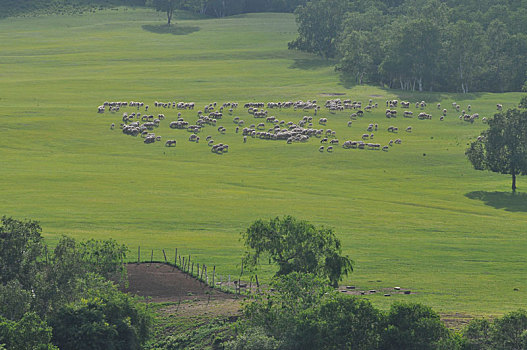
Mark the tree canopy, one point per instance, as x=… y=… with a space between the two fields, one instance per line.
x=64 y=297
x=458 y=46
x=296 y=246
x=303 y=313
x=502 y=148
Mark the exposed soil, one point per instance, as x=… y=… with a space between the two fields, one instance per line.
x=164 y=283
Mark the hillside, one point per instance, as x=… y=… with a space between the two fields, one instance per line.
x=417 y=216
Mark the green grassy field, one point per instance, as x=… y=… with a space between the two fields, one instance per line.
x=418 y=216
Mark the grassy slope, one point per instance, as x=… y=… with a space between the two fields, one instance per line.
x=405 y=218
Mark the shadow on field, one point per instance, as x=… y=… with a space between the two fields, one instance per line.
x=174 y=29
x=501 y=200
x=311 y=63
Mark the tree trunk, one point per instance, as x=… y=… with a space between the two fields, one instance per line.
x=169 y=16
x=513 y=182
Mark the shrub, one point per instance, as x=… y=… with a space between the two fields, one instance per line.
x=413 y=327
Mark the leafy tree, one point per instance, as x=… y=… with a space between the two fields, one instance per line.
x=356 y=55
x=503 y=147
x=296 y=246
x=349 y=323
x=14 y=300
x=71 y=261
x=510 y=331
x=507 y=332
x=465 y=51
x=498 y=55
x=288 y=313
x=319 y=25
x=255 y=339
x=104 y=257
x=168 y=6
x=29 y=333
x=420 y=42
x=412 y=327
x=523 y=102
x=104 y=319
x=477 y=335
x=20 y=249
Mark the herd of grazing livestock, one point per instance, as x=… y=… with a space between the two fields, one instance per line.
x=256 y=121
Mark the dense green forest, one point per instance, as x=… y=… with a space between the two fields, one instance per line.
x=432 y=45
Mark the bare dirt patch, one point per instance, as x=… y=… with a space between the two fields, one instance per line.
x=164 y=283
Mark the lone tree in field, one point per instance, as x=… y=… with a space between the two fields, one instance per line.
x=502 y=148
x=296 y=245
x=167 y=6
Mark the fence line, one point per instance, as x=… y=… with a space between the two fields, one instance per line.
x=186 y=264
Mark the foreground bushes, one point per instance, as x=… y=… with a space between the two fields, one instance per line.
x=302 y=313
x=64 y=298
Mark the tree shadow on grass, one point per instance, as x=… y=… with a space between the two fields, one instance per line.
x=501 y=200
x=174 y=29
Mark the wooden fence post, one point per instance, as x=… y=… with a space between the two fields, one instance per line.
x=188 y=264
x=165 y=256
x=175 y=258
x=183 y=266
x=197 y=272
x=192 y=269
x=213 y=273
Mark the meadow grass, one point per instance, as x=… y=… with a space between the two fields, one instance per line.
x=418 y=216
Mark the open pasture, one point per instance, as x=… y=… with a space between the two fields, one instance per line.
x=417 y=216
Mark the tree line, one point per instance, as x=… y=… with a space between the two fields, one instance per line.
x=433 y=45
x=212 y=8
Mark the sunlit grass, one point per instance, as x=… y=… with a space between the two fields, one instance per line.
x=417 y=216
